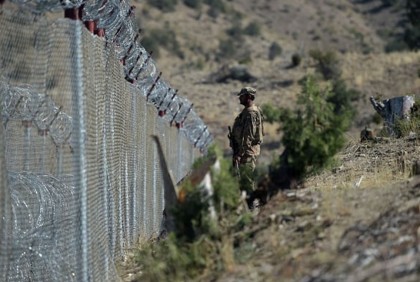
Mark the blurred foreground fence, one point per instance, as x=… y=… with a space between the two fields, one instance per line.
x=80 y=176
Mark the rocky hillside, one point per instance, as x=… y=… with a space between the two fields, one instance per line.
x=195 y=45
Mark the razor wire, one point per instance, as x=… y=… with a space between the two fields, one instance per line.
x=116 y=19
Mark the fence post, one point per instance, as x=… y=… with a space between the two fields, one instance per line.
x=80 y=150
x=5 y=212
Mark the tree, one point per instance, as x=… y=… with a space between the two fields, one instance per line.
x=312 y=135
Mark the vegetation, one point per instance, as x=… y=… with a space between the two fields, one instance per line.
x=252 y=29
x=227 y=48
x=236 y=31
x=412 y=33
x=165 y=38
x=313 y=133
x=296 y=59
x=274 y=51
x=216 y=7
x=410 y=38
x=195 y=4
x=164 y=5
x=200 y=244
x=233 y=47
x=327 y=63
x=342 y=98
x=405 y=127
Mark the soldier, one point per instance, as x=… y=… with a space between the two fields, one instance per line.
x=246 y=137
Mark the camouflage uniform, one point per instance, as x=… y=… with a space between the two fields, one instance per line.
x=247 y=134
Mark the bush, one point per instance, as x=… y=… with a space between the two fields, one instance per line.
x=342 y=98
x=253 y=29
x=314 y=133
x=151 y=45
x=216 y=7
x=164 y=5
x=271 y=113
x=164 y=37
x=200 y=244
x=274 y=51
x=227 y=48
x=403 y=127
x=412 y=31
x=327 y=63
x=296 y=59
x=412 y=37
x=195 y=4
x=396 y=45
x=235 y=31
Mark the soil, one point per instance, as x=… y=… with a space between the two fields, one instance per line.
x=359 y=221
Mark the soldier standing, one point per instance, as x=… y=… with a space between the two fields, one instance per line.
x=246 y=136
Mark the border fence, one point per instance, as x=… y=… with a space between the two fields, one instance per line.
x=81 y=180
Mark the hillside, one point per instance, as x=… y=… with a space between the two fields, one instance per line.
x=358 y=221
x=357 y=31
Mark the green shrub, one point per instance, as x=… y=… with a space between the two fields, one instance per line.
x=171 y=260
x=235 y=31
x=195 y=4
x=199 y=245
x=376 y=118
x=342 y=98
x=253 y=29
x=151 y=45
x=164 y=5
x=216 y=7
x=396 y=45
x=313 y=133
x=271 y=113
x=227 y=48
x=274 y=51
x=296 y=59
x=403 y=127
x=412 y=37
x=327 y=63
x=165 y=38
x=389 y=3
x=412 y=29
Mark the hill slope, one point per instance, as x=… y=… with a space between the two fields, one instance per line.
x=349 y=28
x=356 y=222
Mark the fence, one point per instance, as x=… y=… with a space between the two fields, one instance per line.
x=81 y=179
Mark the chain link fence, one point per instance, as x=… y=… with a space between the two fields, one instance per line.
x=81 y=180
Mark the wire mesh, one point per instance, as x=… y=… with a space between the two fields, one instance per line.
x=81 y=177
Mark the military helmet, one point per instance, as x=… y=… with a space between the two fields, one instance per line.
x=247 y=90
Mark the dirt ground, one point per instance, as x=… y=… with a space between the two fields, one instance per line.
x=358 y=222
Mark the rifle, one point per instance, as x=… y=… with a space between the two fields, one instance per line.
x=235 y=150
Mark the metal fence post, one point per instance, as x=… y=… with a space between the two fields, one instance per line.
x=80 y=150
